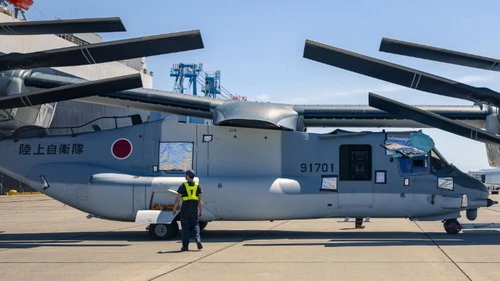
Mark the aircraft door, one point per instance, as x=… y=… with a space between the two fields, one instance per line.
x=416 y=181
x=139 y=196
x=356 y=184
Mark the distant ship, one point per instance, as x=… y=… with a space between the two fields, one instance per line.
x=67 y=113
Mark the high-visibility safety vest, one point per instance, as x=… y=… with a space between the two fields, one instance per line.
x=191 y=192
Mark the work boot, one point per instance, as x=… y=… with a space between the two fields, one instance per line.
x=200 y=246
x=360 y=225
x=183 y=249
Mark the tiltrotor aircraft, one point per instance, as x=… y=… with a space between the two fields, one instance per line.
x=256 y=161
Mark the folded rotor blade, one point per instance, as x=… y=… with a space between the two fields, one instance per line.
x=432 y=119
x=437 y=54
x=74 y=91
x=62 y=26
x=398 y=74
x=105 y=52
x=141 y=98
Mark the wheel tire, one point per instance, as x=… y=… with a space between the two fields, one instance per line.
x=202 y=224
x=163 y=231
x=452 y=226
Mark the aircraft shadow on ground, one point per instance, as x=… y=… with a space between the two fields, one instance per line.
x=364 y=238
x=69 y=239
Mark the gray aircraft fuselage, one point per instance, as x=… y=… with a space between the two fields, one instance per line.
x=245 y=173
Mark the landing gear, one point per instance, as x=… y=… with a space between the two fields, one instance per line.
x=202 y=224
x=163 y=231
x=452 y=226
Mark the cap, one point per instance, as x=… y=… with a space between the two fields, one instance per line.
x=190 y=173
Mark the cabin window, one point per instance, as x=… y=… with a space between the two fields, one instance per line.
x=176 y=156
x=406 y=182
x=380 y=176
x=329 y=183
x=355 y=162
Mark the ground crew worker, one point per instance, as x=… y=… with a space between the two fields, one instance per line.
x=359 y=223
x=191 y=210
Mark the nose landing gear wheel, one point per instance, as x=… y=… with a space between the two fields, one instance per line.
x=452 y=226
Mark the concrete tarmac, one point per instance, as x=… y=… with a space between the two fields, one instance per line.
x=42 y=239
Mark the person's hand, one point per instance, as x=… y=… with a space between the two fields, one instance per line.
x=201 y=213
x=174 y=211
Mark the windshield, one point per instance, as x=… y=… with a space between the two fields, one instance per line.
x=437 y=161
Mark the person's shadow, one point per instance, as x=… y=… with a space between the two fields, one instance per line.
x=174 y=252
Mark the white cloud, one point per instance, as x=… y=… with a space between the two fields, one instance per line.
x=473 y=79
x=339 y=96
x=262 y=98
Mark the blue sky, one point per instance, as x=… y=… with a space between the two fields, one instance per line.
x=258 y=45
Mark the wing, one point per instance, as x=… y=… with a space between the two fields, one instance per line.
x=369 y=116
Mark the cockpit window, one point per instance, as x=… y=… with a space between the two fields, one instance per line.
x=414 y=165
x=437 y=161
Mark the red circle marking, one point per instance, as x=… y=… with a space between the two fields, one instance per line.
x=121 y=148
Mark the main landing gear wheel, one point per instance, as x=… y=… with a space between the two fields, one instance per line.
x=202 y=224
x=452 y=226
x=163 y=231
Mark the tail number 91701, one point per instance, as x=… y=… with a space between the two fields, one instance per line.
x=316 y=167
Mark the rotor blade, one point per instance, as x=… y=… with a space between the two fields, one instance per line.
x=398 y=74
x=432 y=119
x=438 y=54
x=74 y=91
x=62 y=26
x=143 y=98
x=105 y=52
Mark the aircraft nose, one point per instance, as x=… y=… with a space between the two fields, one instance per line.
x=491 y=202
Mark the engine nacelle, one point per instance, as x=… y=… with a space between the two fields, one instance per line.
x=270 y=116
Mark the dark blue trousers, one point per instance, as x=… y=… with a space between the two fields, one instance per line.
x=188 y=222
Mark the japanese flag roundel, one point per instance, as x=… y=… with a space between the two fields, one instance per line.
x=121 y=148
